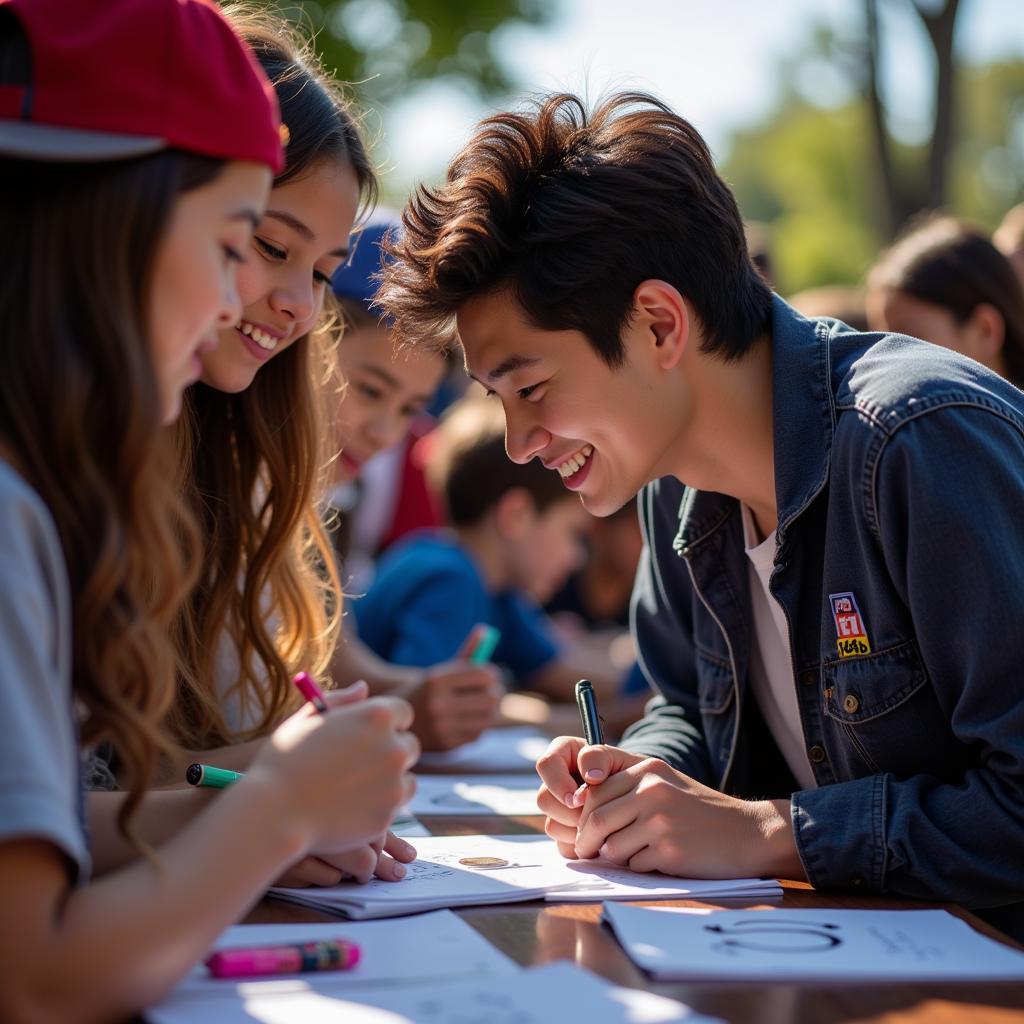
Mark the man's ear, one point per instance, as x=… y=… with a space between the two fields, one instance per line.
x=662 y=313
x=514 y=511
x=988 y=332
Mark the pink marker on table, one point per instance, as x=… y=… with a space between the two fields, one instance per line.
x=328 y=955
x=308 y=688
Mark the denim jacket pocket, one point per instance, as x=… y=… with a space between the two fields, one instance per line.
x=860 y=689
x=886 y=715
x=715 y=687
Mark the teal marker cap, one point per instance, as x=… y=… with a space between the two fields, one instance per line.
x=489 y=637
x=207 y=775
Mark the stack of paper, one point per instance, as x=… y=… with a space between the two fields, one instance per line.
x=809 y=945
x=434 y=948
x=457 y=871
x=475 y=794
x=554 y=992
x=496 y=750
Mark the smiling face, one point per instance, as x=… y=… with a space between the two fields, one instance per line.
x=299 y=243
x=607 y=432
x=194 y=294
x=384 y=391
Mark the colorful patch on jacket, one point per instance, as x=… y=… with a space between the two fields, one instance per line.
x=851 y=636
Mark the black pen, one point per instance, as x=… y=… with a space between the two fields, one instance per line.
x=586 y=699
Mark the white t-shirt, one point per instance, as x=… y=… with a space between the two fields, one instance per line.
x=240 y=715
x=771 y=665
x=40 y=767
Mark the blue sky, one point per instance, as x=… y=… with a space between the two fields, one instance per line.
x=714 y=61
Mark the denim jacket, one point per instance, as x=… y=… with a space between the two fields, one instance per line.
x=899 y=474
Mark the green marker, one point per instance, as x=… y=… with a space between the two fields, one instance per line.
x=489 y=637
x=207 y=775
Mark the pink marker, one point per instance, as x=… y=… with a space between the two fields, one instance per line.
x=328 y=955
x=308 y=688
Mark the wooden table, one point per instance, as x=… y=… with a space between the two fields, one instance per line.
x=536 y=933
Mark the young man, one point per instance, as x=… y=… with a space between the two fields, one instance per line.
x=828 y=606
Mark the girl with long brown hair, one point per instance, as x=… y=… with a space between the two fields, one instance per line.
x=252 y=444
x=255 y=450
x=124 y=211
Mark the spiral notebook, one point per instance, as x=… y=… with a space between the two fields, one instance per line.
x=458 y=871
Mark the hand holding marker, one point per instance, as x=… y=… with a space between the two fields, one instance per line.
x=219 y=778
x=454 y=702
x=335 y=955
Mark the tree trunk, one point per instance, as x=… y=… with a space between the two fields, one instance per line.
x=940 y=26
x=929 y=189
x=879 y=136
x=890 y=207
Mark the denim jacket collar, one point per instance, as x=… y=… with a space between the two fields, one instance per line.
x=804 y=422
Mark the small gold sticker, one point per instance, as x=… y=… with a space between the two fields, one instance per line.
x=483 y=862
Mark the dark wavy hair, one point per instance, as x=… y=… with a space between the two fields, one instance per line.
x=251 y=463
x=571 y=212
x=80 y=413
x=949 y=263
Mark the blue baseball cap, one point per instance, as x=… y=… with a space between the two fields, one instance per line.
x=354 y=278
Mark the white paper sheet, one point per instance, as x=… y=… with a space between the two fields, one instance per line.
x=599 y=879
x=805 y=945
x=497 y=750
x=475 y=794
x=539 y=995
x=432 y=948
x=452 y=871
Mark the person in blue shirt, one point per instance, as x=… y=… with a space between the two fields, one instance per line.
x=428 y=595
x=515 y=535
x=829 y=598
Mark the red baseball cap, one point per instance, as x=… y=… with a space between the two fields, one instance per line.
x=85 y=80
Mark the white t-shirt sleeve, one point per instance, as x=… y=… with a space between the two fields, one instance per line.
x=40 y=781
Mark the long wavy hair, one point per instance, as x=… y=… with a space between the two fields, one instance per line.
x=80 y=418
x=252 y=467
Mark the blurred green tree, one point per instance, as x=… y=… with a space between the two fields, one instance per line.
x=386 y=45
x=987 y=171
x=807 y=172
x=902 y=186
x=815 y=172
